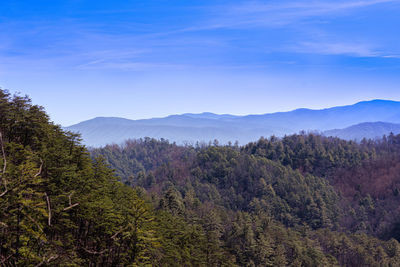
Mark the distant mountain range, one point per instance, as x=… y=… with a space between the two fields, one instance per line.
x=369 y=130
x=368 y=119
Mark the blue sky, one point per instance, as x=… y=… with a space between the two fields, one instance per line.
x=139 y=59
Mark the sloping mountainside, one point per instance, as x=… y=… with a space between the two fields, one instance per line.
x=205 y=127
x=368 y=130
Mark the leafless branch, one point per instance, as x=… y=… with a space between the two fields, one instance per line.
x=69 y=198
x=70 y=202
x=40 y=169
x=95 y=252
x=48 y=207
x=70 y=207
x=20 y=182
x=2 y=178
x=4 y=192
x=46 y=260
x=122 y=229
x=4 y=259
x=3 y=153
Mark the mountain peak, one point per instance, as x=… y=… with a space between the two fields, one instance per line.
x=377 y=101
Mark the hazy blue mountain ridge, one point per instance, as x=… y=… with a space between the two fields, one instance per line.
x=369 y=130
x=205 y=127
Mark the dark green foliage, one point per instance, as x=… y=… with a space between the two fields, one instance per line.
x=311 y=153
x=57 y=206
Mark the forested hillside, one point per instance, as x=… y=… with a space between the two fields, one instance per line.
x=340 y=196
x=303 y=200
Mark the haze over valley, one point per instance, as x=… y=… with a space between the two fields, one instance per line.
x=368 y=119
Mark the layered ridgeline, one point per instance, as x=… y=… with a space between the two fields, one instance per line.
x=270 y=203
x=368 y=130
x=205 y=127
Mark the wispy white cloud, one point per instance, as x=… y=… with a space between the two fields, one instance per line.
x=286 y=14
x=391 y=56
x=314 y=7
x=328 y=48
x=341 y=48
x=128 y=66
x=275 y=14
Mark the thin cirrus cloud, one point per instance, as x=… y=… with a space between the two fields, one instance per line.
x=278 y=14
x=350 y=49
x=128 y=65
x=90 y=45
x=311 y=16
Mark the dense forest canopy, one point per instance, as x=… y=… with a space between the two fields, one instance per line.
x=303 y=200
x=303 y=181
